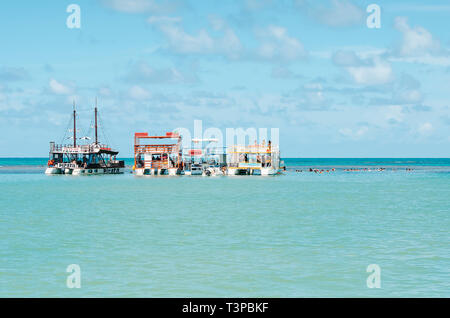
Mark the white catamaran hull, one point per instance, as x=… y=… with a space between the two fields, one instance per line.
x=139 y=172
x=81 y=171
x=268 y=171
x=52 y=170
x=173 y=171
x=153 y=172
x=212 y=171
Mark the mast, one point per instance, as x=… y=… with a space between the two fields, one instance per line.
x=96 y=136
x=74 y=125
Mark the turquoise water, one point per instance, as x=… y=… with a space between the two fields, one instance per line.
x=294 y=235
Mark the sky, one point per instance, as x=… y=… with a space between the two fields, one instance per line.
x=313 y=69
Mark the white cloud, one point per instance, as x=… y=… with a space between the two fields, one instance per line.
x=312 y=97
x=394 y=114
x=217 y=23
x=277 y=44
x=163 y=19
x=354 y=133
x=59 y=88
x=346 y=58
x=139 y=6
x=10 y=74
x=409 y=96
x=341 y=13
x=425 y=128
x=416 y=41
x=368 y=71
x=257 y=4
x=143 y=73
x=18 y=100
x=282 y=72
x=418 y=7
x=202 y=42
x=378 y=73
x=186 y=43
x=427 y=59
x=337 y=13
x=139 y=93
x=129 y=6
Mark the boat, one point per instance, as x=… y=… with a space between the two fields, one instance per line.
x=205 y=161
x=192 y=162
x=215 y=159
x=157 y=155
x=83 y=159
x=257 y=159
x=194 y=169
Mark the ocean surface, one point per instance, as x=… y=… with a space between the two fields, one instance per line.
x=298 y=234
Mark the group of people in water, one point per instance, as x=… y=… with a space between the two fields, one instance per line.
x=364 y=169
x=348 y=170
x=317 y=170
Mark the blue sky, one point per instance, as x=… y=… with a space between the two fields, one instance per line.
x=313 y=69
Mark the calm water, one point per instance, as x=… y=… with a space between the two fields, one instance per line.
x=294 y=235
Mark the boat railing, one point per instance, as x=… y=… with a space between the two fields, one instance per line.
x=159 y=164
x=80 y=148
x=66 y=165
x=142 y=149
x=253 y=149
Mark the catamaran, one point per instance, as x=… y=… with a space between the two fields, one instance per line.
x=257 y=159
x=85 y=159
x=213 y=159
x=157 y=155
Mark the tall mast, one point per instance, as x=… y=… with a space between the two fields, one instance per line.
x=96 y=136
x=74 y=125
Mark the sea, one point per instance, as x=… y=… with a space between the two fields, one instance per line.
x=374 y=227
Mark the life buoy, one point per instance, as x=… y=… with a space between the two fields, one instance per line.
x=51 y=163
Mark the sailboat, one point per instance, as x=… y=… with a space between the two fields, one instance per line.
x=85 y=159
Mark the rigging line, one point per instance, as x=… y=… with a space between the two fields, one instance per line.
x=106 y=134
x=87 y=131
x=67 y=129
x=103 y=130
x=91 y=124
